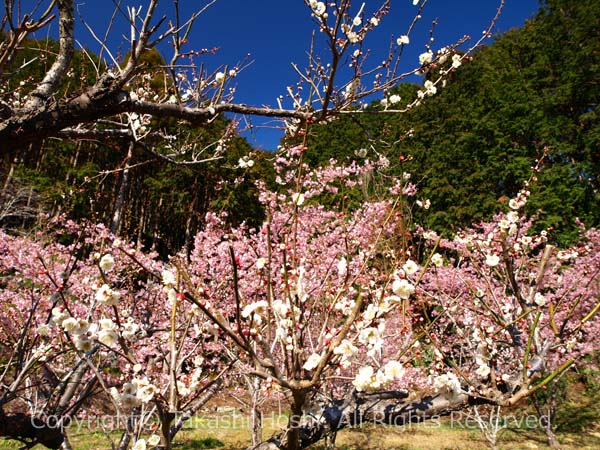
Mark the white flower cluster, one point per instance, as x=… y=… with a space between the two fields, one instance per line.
x=402 y=288
x=107 y=296
x=255 y=311
x=245 y=162
x=346 y=350
x=312 y=362
x=447 y=382
x=425 y=58
x=403 y=40
x=107 y=334
x=520 y=200
x=567 y=255
x=368 y=380
x=77 y=328
x=318 y=8
x=133 y=394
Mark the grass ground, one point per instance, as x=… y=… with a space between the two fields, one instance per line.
x=232 y=433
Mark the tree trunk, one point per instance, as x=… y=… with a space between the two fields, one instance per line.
x=383 y=408
x=115 y=225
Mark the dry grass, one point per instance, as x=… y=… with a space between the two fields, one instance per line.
x=231 y=431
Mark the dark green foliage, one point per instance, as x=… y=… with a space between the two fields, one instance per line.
x=534 y=90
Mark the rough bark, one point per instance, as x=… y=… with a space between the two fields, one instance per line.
x=29 y=430
x=387 y=408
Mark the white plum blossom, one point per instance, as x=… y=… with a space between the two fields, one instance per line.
x=260 y=263
x=363 y=379
x=430 y=88
x=566 y=255
x=483 y=371
x=75 y=326
x=245 y=163
x=410 y=267
x=83 y=343
x=107 y=262
x=140 y=444
x=108 y=337
x=437 y=260
x=456 y=62
x=220 y=77
x=425 y=58
x=146 y=392
x=312 y=362
x=298 y=198
x=168 y=278
x=370 y=336
x=447 y=382
x=346 y=350
x=492 y=260
x=58 y=316
x=342 y=266
x=154 y=439
x=318 y=7
x=393 y=370
x=395 y=98
x=402 y=288
x=256 y=309
x=107 y=296
x=374 y=21
x=539 y=299
x=403 y=40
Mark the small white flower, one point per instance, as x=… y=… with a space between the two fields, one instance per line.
x=220 y=77
x=410 y=267
x=403 y=40
x=425 y=58
x=312 y=362
x=255 y=308
x=318 y=7
x=403 y=288
x=140 y=444
x=260 y=263
x=232 y=73
x=374 y=21
x=415 y=2
x=168 y=278
x=43 y=330
x=342 y=266
x=106 y=296
x=447 y=381
x=483 y=371
x=539 y=299
x=154 y=439
x=456 y=61
x=492 y=260
x=83 y=343
x=437 y=260
x=394 y=370
x=107 y=262
x=298 y=198
x=146 y=393
x=357 y=21
x=364 y=379
x=107 y=337
x=394 y=99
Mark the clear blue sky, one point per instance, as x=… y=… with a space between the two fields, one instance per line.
x=277 y=32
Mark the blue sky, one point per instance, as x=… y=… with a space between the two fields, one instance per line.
x=275 y=33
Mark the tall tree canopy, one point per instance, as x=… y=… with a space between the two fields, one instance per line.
x=534 y=91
